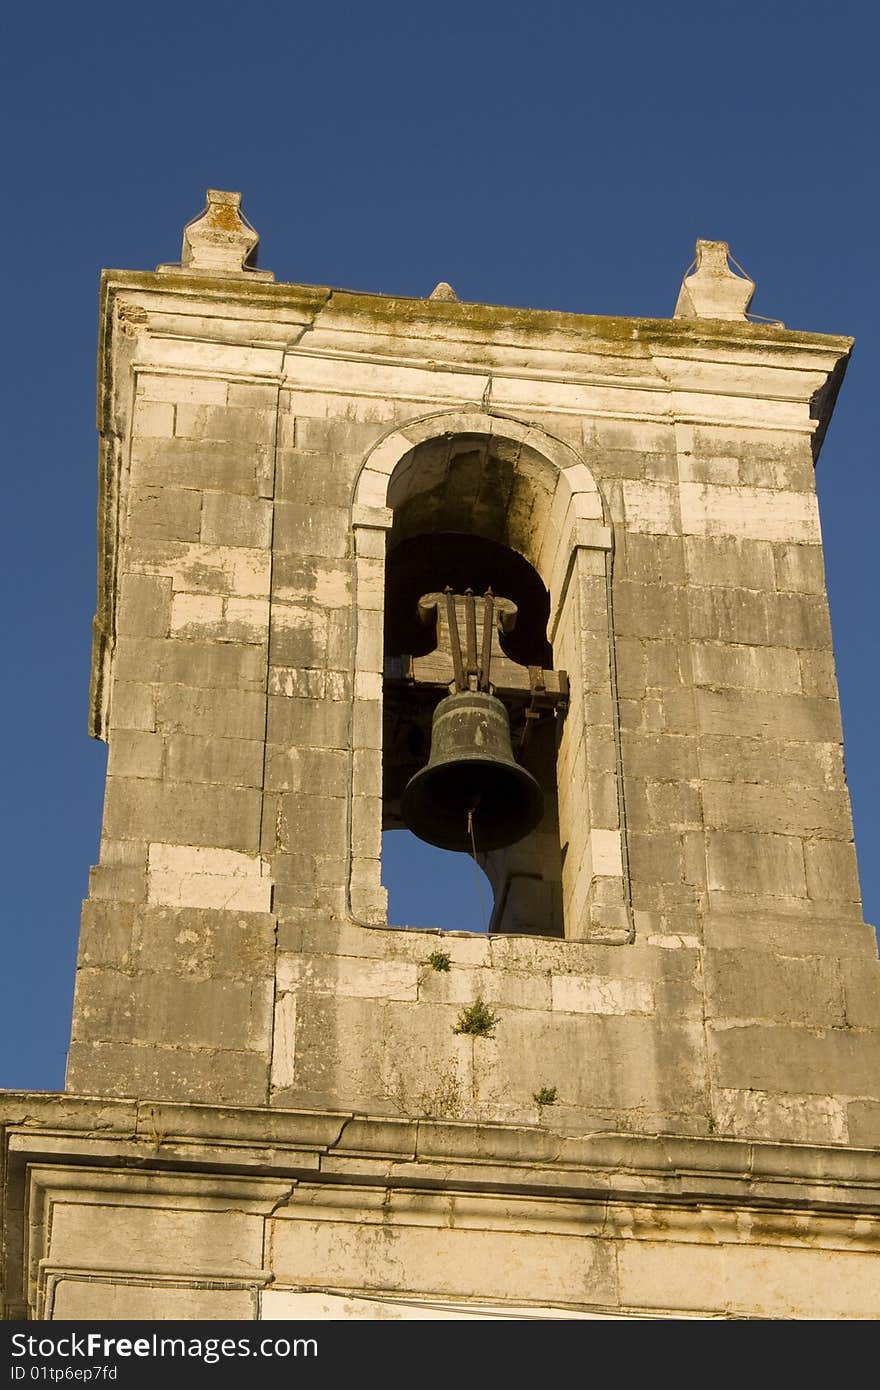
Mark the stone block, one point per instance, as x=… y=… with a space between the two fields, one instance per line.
x=181 y=661
x=132 y=705
x=599 y=995
x=211 y=617
x=798 y=1119
x=721 y=664
x=201 y=464
x=307 y=723
x=349 y=977
x=246 y=620
x=197 y=615
x=313 y=824
x=726 y=902
x=324 y=478
x=289 y=867
x=630 y=1062
x=210 y=713
x=226 y=761
x=799 y=568
x=718 y=469
x=307 y=528
x=252 y=395
x=164 y=513
x=230 y=519
x=135 y=753
x=172 y=1011
x=663 y=664
x=644 y=610
x=172 y=1072
x=241 y=571
x=746 y=984
x=632 y=666
x=818 y=675
x=654 y=560
x=792 y=1060
x=832 y=872
x=299 y=769
x=729 y=615
x=298 y=636
x=799 y=620
x=790 y=934
x=106 y=934
x=776 y=809
x=297 y=578
x=145 y=1238
x=797 y=473
x=192 y=567
x=443 y=1261
x=242 y=427
x=144 y=605
x=651 y=507
x=863 y=1123
x=194 y=389
x=652 y=805
x=761 y=715
x=730 y=758
x=753 y=513
x=334 y=435
x=204 y=942
x=502 y=989
x=729 y=563
x=668 y=757
x=366 y=730
x=747 y=1280
x=756 y=863
x=251 y=572
x=656 y=858
x=193 y=876
x=677 y=999
x=181 y=813
x=152 y=419
x=118 y=883
x=304 y=683
x=861 y=984
x=635 y=436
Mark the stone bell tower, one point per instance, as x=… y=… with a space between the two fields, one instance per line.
x=651 y=1090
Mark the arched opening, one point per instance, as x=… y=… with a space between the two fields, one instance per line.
x=491 y=478
x=469 y=513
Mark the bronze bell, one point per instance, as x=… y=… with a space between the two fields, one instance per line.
x=471 y=777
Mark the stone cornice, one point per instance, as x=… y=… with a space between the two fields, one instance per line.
x=390 y=313
x=426 y=1153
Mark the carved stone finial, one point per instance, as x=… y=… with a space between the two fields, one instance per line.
x=443 y=290
x=220 y=241
x=714 y=291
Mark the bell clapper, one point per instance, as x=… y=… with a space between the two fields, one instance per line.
x=470 y=826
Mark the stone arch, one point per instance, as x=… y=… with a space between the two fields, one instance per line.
x=569 y=543
x=577 y=514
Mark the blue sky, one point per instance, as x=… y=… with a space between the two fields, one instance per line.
x=556 y=156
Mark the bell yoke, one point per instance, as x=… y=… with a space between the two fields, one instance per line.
x=472 y=795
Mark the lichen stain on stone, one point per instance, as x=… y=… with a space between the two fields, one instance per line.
x=225 y=217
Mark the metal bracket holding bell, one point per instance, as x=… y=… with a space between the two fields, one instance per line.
x=472 y=789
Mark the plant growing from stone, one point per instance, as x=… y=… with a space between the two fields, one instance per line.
x=477 y=1019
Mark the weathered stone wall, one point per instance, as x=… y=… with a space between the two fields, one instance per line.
x=717 y=977
x=148 y=1210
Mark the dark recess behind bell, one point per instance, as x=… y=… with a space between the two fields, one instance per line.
x=429 y=563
